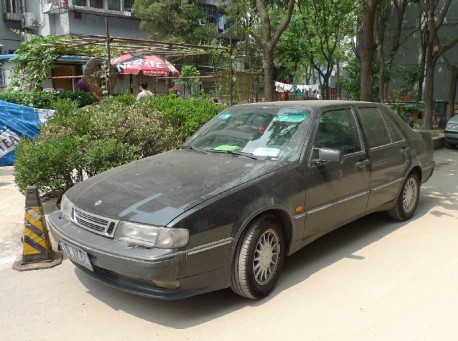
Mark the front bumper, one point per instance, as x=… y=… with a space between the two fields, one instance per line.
x=451 y=136
x=133 y=269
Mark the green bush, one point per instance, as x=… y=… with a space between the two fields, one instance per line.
x=101 y=155
x=47 y=163
x=80 y=142
x=45 y=100
x=185 y=115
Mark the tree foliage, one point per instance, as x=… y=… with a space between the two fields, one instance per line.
x=264 y=21
x=189 y=77
x=436 y=46
x=327 y=25
x=173 y=20
x=34 y=59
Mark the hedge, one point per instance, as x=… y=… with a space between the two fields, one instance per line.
x=81 y=142
x=45 y=100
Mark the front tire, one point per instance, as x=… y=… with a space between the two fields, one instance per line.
x=407 y=202
x=449 y=145
x=259 y=258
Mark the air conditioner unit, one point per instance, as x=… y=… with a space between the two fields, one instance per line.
x=28 y=20
x=25 y=37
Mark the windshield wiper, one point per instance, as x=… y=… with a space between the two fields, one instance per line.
x=234 y=152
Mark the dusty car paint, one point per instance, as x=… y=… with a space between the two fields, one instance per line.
x=217 y=197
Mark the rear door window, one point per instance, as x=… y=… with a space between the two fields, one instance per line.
x=375 y=126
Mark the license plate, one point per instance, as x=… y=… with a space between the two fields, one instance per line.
x=76 y=254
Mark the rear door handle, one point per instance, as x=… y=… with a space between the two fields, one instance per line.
x=363 y=163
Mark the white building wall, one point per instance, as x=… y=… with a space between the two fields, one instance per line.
x=82 y=20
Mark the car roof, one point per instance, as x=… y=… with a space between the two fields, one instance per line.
x=305 y=103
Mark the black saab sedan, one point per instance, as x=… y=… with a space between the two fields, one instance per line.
x=257 y=183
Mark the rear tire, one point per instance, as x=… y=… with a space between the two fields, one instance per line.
x=407 y=202
x=259 y=258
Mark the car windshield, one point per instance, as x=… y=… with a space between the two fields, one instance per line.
x=258 y=132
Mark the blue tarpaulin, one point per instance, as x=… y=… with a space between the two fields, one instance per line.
x=17 y=121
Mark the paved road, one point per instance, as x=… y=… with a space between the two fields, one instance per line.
x=374 y=279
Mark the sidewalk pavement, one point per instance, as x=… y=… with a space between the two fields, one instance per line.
x=12 y=204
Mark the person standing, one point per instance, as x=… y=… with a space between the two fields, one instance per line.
x=82 y=85
x=316 y=95
x=144 y=92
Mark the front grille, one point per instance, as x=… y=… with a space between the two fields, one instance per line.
x=95 y=223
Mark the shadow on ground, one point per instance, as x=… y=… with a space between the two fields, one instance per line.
x=342 y=243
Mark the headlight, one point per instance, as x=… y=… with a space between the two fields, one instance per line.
x=66 y=208
x=152 y=236
x=452 y=125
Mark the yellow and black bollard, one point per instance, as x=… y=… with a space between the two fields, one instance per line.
x=37 y=250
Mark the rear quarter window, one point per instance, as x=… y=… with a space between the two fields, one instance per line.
x=376 y=127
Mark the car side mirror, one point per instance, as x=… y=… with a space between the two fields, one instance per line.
x=325 y=155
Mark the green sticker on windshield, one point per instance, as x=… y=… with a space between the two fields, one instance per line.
x=291 y=117
x=226 y=147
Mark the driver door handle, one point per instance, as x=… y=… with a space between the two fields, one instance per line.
x=363 y=163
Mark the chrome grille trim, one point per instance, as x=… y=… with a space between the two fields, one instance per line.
x=94 y=223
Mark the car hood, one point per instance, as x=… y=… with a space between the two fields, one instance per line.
x=157 y=189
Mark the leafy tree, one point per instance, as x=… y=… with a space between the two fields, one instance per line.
x=33 y=62
x=351 y=81
x=435 y=49
x=173 y=20
x=387 y=10
x=34 y=59
x=327 y=25
x=292 y=50
x=189 y=77
x=264 y=21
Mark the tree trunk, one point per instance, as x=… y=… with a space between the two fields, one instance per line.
x=421 y=79
x=434 y=21
x=383 y=86
x=268 y=71
x=428 y=97
x=268 y=42
x=368 y=50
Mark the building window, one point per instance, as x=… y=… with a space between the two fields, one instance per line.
x=114 y=5
x=96 y=3
x=111 y=5
x=128 y=4
x=11 y=6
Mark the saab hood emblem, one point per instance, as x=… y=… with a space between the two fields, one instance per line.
x=98 y=202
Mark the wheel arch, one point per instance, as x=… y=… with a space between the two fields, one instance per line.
x=285 y=223
x=417 y=170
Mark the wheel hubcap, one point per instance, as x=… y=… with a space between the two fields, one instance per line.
x=410 y=195
x=266 y=257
